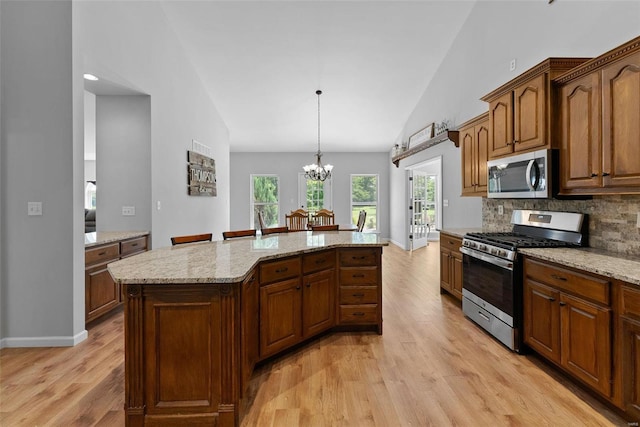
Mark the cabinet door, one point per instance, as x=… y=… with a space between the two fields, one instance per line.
x=318 y=302
x=467 y=141
x=501 y=126
x=445 y=271
x=250 y=327
x=280 y=316
x=456 y=274
x=631 y=367
x=101 y=292
x=586 y=342
x=621 y=124
x=541 y=319
x=481 y=134
x=529 y=117
x=580 y=159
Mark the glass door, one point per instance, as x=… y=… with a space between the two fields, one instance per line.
x=422 y=207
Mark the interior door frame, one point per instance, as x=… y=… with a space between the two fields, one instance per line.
x=431 y=166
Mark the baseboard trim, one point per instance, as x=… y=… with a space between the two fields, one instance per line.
x=44 y=341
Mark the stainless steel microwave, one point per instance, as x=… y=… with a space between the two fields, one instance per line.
x=521 y=176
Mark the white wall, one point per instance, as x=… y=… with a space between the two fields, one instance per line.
x=478 y=62
x=123 y=162
x=89 y=136
x=149 y=59
x=288 y=165
x=41 y=154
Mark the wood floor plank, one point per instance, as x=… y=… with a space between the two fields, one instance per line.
x=432 y=367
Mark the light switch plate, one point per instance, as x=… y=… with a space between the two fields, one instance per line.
x=34 y=208
x=128 y=211
x=500 y=210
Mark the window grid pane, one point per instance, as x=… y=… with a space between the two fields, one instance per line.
x=364 y=196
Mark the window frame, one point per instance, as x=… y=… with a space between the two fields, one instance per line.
x=327 y=201
x=252 y=204
x=377 y=201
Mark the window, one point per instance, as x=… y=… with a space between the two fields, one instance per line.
x=90 y=195
x=364 y=196
x=264 y=198
x=314 y=195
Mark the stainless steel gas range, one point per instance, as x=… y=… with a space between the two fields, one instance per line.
x=492 y=268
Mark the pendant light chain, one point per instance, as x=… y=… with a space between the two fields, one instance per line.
x=318 y=172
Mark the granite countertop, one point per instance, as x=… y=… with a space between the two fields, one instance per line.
x=596 y=261
x=102 y=237
x=460 y=232
x=228 y=261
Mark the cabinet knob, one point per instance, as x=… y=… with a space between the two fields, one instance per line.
x=562 y=304
x=593 y=175
x=605 y=174
x=297 y=288
x=308 y=285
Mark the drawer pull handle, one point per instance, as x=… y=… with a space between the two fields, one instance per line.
x=358 y=295
x=357 y=275
x=321 y=261
x=282 y=270
x=450 y=242
x=555 y=276
x=484 y=316
x=359 y=257
x=297 y=288
x=562 y=304
x=102 y=253
x=134 y=245
x=551 y=299
x=358 y=313
x=308 y=285
x=605 y=174
x=593 y=175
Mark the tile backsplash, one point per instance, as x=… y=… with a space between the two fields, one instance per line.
x=612 y=219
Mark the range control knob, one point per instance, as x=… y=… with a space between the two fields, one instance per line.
x=494 y=251
x=482 y=247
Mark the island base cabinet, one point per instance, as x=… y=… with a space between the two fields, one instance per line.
x=280 y=316
x=101 y=292
x=318 y=302
x=178 y=340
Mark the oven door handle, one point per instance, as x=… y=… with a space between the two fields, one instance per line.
x=502 y=263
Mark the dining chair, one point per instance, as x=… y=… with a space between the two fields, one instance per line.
x=261 y=220
x=178 y=240
x=274 y=230
x=323 y=217
x=297 y=220
x=328 y=227
x=362 y=216
x=226 y=235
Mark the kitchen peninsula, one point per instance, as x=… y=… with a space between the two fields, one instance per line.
x=199 y=317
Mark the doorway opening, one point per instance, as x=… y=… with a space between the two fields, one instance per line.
x=425 y=200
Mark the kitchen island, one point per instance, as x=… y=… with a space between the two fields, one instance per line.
x=199 y=317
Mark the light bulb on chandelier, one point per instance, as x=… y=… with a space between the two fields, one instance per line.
x=316 y=171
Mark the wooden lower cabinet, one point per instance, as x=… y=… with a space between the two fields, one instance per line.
x=280 y=316
x=628 y=347
x=360 y=277
x=250 y=326
x=451 y=265
x=318 y=302
x=565 y=322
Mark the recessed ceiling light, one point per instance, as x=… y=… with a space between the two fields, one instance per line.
x=91 y=77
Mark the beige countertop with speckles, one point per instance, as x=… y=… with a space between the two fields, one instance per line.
x=596 y=261
x=228 y=261
x=101 y=237
x=460 y=232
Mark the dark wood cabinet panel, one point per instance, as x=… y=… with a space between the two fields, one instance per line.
x=529 y=119
x=451 y=265
x=250 y=326
x=630 y=348
x=318 y=302
x=542 y=319
x=280 y=316
x=501 y=126
x=474 y=140
x=102 y=294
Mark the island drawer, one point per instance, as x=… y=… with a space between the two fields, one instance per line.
x=316 y=261
x=274 y=271
x=138 y=244
x=359 y=313
x=358 y=294
x=630 y=301
x=450 y=242
x=358 y=275
x=100 y=254
x=359 y=257
x=586 y=286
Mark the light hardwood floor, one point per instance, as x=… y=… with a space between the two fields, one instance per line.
x=431 y=367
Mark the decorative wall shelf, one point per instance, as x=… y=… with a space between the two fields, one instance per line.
x=452 y=135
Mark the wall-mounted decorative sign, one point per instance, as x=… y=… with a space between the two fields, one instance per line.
x=421 y=136
x=201 y=176
x=443 y=126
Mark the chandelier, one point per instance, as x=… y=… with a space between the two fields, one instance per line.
x=316 y=171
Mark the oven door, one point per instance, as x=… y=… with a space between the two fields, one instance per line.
x=493 y=280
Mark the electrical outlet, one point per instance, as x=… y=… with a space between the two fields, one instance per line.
x=445 y=202
x=34 y=208
x=128 y=211
x=500 y=210
x=512 y=65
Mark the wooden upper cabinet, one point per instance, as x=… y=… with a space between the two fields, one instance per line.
x=580 y=153
x=521 y=116
x=600 y=103
x=474 y=140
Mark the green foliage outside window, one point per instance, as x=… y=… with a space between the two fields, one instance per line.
x=364 y=196
x=265 y=200
x=315 y=195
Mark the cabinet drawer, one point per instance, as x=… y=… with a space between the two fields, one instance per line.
x=358 y=257
x=279 y=270
x=134 y=245
x=102 y=254
x=630 y=301
x=358 y=275
x=324 y=260
x=358 y=294
x=580 y=284
x=359 y=313
x=449 y=242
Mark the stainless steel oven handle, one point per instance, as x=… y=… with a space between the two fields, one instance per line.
x=502 y=263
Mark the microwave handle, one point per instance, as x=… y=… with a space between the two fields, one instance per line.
x=533 y=165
